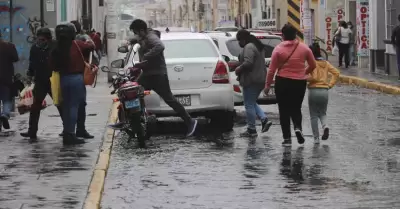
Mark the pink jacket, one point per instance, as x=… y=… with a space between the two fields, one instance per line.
x=295 y=68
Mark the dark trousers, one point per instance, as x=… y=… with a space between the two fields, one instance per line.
x=40 y=91
x=290 y=95
x=398 y=59
x=344 y=52
x=160 y=84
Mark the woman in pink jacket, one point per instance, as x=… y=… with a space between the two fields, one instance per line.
x=288 y=63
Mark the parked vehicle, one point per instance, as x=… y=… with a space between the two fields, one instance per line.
x=230 y=49
x=133 y=116
x=199 y=79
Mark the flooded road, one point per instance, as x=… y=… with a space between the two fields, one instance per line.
x=358 y=167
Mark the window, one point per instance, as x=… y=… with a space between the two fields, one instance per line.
x=269 y=43
x=391 y=15
x=101 y=3
x=216 y=42
x=63 y=10
x=189 y=48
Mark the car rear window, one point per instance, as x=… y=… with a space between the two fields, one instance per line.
x=189 y=48
x=269 y=43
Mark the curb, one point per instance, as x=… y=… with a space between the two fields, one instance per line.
x=364 y=83
x=95 y=191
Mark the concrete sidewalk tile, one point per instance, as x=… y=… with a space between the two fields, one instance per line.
x=47 y=174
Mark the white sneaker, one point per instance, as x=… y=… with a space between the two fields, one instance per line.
x=316 y=141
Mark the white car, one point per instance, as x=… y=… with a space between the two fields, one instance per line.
x=230 y=49
x=199 y=78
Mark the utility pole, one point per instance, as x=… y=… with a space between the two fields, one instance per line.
x=214 y=13
x=307 y=22
x=42 y=13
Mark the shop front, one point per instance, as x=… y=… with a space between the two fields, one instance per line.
x=392 y=10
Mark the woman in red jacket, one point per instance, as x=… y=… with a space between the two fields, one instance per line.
x=67 y=59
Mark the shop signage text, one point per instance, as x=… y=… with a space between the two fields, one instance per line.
x=328 y=22
x=363 y=27
x=267 y=24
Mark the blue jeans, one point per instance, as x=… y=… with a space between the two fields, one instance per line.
x=5 y=99
x=250 y=96
x=73 y=93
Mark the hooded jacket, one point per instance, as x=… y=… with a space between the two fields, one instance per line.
x=253 y=65
x=319 y=78
x=152 y=50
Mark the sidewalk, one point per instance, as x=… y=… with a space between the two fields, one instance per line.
x=46 y=174
x=364 y=78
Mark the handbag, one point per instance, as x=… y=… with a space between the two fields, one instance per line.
x=89 y=75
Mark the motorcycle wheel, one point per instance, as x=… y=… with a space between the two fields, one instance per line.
x=138 y=126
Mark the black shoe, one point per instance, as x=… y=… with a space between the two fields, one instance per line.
x=4 y=120
x=192 y=128
x=249 y=133
x=265 y=125
x=28 y=135
x=116 y=126
x=300 y=136
x=325 y=136
x=84 y=134
x=70 y=139
x=287 y=142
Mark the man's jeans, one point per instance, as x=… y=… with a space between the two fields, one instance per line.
x=73 y=92
x=250 y=96
x=5 y=99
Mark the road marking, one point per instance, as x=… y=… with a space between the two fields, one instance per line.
x=96 y=187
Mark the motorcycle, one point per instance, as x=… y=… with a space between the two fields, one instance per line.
x=132 y=114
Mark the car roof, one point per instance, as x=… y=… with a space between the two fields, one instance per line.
x=184 y=35
x=219 y=36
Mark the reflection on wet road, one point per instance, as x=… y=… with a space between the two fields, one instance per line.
x=358 y=167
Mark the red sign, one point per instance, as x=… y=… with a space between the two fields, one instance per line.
x=364 y=27
x=340 y=15
x=328 y=22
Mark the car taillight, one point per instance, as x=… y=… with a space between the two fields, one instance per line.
x=236 y=89
x=221 y=73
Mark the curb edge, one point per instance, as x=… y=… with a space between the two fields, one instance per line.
x=385 y=88
x=96 y=186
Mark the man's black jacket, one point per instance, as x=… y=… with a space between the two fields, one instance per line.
x=39 y=63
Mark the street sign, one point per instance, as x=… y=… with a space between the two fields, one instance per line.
x=111 y=35
x=266 y=24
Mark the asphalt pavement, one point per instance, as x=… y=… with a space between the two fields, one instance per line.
x=358 y=167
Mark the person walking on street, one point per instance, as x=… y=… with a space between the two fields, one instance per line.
x=352 y=41
x=8 y=56
x=252 y=74
x=41 y=72
x=318 y=87
x=396 y=43
x=342 y=38
x=67 y=59
x=155 y=75
x=288 y=62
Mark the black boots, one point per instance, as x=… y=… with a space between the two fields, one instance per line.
x=70 y=139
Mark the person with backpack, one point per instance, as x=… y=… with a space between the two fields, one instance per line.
x=251 y=74
x=41 y=72
x=318 y=92
x=288 y=63
x=396 y=44
x=67 y=59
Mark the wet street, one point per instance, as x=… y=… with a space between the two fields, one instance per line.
x=358 y=167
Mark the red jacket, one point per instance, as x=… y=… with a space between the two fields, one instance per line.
x=97 y=40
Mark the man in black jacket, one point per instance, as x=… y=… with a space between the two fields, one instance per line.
x=8 y=56
x=155 y=75
x=40 y=71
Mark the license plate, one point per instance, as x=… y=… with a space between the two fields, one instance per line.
x=132 y=104
x=185 y=100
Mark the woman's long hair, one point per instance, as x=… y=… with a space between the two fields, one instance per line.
x=316 y=50
x=245 y=35
x=343 y=24
x=61 y=53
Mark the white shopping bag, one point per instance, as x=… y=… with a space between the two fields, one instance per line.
x=26 y=96
x=335 y=50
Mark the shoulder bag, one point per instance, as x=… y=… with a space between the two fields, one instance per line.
x=287 y=59
x=89 y=75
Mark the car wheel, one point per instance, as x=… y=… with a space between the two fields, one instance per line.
x=222 y=120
